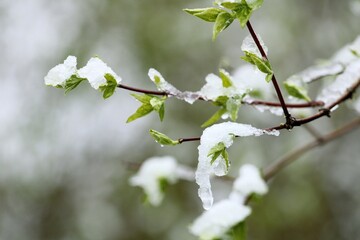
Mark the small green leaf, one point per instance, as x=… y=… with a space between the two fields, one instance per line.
x=108 y=89
x=356 y=53
x=225 y=155
x=72 y=83
x=221 y=101
x=144 y=98
x=162 y=138
x=238 y=232
x=225 y=77
x=223 y=20
x=140 y=112
x=157 y=80
x=243 y=14
x=269 y=77
x=159 y=106
x=262 y=64
x=256 y=4
x=233 y=6
x=162 y=112
x=214 y=118
x=296 y=91
x=206 y=14
x=163 y=184
x=216 y=151
x=232 y=107
x=156 y=103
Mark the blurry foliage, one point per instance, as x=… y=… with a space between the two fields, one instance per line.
x=94 y=200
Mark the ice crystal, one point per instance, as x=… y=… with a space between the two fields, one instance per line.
x=249 y=45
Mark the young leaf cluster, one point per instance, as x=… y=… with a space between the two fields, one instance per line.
x=149 y=104
x=229 y=105
x=219 y=150
x=225 y=13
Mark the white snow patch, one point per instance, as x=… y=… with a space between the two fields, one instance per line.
x=254 y=80
x=345 y=55
x=164 y=86
x=157 y=169
x=62 y=72
x=317 y=72
x=214 y=223
x=214 y=88
x=341 y=84
x=249 y=45
x=248 y=182
x=223 y=132
x=95 y=71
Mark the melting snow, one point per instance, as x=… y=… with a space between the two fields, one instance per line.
x=211 y=136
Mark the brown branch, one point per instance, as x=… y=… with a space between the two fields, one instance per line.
x=290 y=157
x=182 y=140
x=139 y=90
x=288 y=105
x=255 y=102
x=289 y=119
x=323 y=111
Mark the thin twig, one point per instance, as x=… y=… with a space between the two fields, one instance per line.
x=254 y=102
x=280 y=164
x=139 y=90
x=288 y=117
x=182 y=140
x=323 y=111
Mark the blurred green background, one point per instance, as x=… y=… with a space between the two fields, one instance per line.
x=65 y=160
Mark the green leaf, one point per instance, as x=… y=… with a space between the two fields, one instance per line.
x=140 y=112
x=221 y=101
x=269 y=77
x=159 y=106
x=222 y=21
x=262 y=64
x=162 y=138
x=143 y=98
x=206 y=14
x=238 y=232
x=163 y=184
x=225 y=77
x=243 y=14
x=72 y=83
x=233 y=6
x=108 y=89
x=356 y=53
x=214 y=118
x=216 y=151
x=225 y=155
x=156 y=103
x=162 y=112
x=256 y=4
x=296 y=91
x=232 y=107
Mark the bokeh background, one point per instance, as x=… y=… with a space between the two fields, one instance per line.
x=65 y=160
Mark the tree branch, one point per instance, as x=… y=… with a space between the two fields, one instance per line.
x=284 y=161
x=323 y=111
x=289 y=119
x=254 y=102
